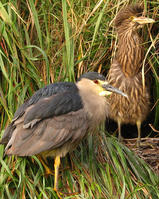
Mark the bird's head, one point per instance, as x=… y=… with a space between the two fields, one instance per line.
x=93 y=89
x=96 y=83
x=131 y=18
x=103 y=88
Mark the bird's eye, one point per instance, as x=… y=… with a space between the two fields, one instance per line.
x=96 y=81
x=131 y=18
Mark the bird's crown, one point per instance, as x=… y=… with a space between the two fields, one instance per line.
x=128 y=12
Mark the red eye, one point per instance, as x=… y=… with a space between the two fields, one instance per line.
x=96 y=81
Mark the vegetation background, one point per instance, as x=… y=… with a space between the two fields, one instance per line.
x=48 y=41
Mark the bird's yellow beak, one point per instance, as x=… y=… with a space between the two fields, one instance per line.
x=108 y=89
x=143 y=20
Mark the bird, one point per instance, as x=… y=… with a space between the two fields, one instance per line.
x=47 y=91
x=125 y=71
x=57 y=117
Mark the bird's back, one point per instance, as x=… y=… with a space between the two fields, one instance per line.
x=43 y=93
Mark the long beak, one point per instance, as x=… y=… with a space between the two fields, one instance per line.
x=111 y=89
x=143 y=20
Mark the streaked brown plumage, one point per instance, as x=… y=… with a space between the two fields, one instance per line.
x=126 y=70
x=56 y=118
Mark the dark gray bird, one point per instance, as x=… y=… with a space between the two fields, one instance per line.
x=57 y=117
x=126 y=70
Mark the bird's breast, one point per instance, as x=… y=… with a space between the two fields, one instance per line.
x=136 y=106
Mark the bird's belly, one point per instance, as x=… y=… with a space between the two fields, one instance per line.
x=129 y=110
x=60 y=151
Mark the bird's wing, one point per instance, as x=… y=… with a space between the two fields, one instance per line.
x=47 y=91
x=7 y=134
x=36 y=118
x=48 y=134
x=55 y=105
x=43 y=93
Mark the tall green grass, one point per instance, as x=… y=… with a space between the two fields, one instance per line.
x=48 y=41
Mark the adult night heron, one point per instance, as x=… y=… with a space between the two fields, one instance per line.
x=126 y=70
x=57 y=117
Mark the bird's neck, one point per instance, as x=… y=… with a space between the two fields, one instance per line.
x=130 y=52
x=95 y=106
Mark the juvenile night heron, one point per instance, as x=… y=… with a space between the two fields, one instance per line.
x=126 y=70
x=57 y=117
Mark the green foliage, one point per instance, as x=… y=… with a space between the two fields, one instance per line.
x=48 y=41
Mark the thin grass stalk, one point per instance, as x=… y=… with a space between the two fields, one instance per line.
x=69 y=44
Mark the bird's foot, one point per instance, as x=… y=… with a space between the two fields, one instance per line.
x=48 y=172
x=138 y=143
x=61 y=194
x=120 y=138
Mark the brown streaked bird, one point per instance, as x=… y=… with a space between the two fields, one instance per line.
x=126 y=70
x=57 y=117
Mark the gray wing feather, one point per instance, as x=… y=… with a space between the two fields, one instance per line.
x=54 y=99
x=47 y=91
x=7 y=134
x=55 y=105
x=48 y=134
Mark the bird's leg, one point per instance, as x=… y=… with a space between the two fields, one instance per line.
x=138 y=124
x=48 y=171
x=56 y=167
x=119 y=131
